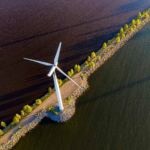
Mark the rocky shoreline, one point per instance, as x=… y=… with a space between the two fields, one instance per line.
x=69 y=107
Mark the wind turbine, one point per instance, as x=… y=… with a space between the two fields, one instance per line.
x=52 y=72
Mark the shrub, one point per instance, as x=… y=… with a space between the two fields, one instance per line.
x=139 y=15
x=126 y=27
x=22 y=113
x=122 y=35
x=138 y=21
x=93 y=55
x=16 y=120
x=49 y=90
x=118 y=39
x=3 y=124
x=133 y=22
x=60 y=82
x=38 y=101
x=121 y=30
x=18 y=116
x=77 y=68
x=98 y=57
x=92 y=64
x=27 y=109
x=89 y=59
x=69 y=100
x=104 y=45
x=131 y=29
x=1 y=132
x=86 y=62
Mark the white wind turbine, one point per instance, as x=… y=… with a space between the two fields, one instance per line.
x=52 y=72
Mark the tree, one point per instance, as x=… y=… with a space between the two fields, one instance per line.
x=138 y=21
x=146 y=15
x=118 y=39
x=122 y=35
x=121 y=30
x=77 y=68
x=38 y=101
x=93 y=55
x=60 y=82
x=72 y=72
x=22 y=113
x=131 y=29
x=18 y=116
x=126 y=27
x=16 y=120
x=49 y=90
x=98 y=57
x=104 y=45
x=89 y=59
x=92 y=64
x=86 y=62
x=1 y=132
x=139 y=15
x=133 y=22
x=27 y=109
x=69 y=73
x=3 y=124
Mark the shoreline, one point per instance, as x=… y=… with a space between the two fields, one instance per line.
x=10 y=138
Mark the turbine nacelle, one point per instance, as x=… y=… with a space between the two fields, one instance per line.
x=51 y=71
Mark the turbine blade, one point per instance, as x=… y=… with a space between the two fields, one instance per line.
x=61 y=71
x=39 y=62
x=57 y=54
x=51 y=71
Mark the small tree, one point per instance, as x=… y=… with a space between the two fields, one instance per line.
x=60 y=82
x=86 y=62
x=104 y=45
x=89 y=59
x=121 y=30
x=69 y=73
x=3 y=124
x=98 y=57
x=122 y=35
x=133 y=22
x=38 y=101
x=72 y=72
x=131 y=29
x=16 y=120
x=1 y=132
x=126 y=27
x=49 y=90
x=18 y=116
x=139 y=15
x=22 y=113
x=27 y=109
x=118 y=39
x=138 y=21
x=92 y=64
x=93 y=55
x=77 y=68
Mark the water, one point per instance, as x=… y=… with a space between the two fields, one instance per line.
x=114 y=114
x=33 y=28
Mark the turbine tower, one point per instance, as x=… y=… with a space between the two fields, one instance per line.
x=52 y=72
